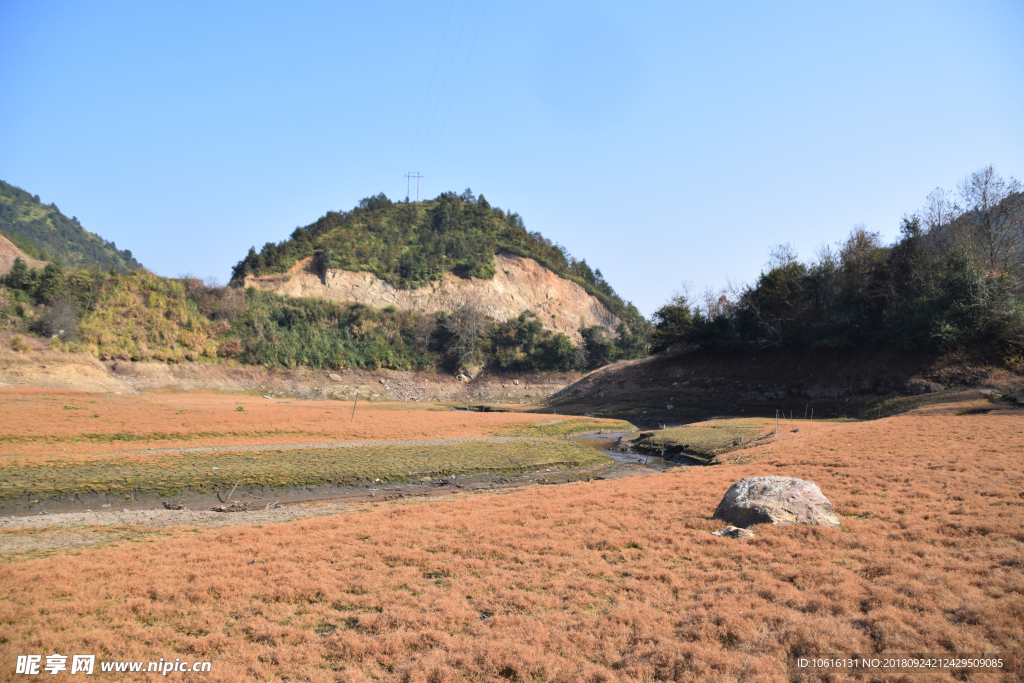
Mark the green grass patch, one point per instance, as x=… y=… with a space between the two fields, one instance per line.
x=975 y=411
x=174 y=473
x=148 y=436
x=557 y=427
x=703 y=440
x=874 y=409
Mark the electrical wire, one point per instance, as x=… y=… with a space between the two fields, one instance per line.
x=430 y=86
x=445 y=81
x=469 y=56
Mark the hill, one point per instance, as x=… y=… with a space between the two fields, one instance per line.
x=409 y=245
x=136 y=315
x=43 y=233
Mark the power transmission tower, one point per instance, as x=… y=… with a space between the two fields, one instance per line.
x=408 y=181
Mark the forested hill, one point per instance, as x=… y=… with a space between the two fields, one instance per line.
x=411 y=243
x=42 y=232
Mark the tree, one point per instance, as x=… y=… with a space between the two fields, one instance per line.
x=462 y=335
x=673 y=323
x=18 y=275
x=994 y=221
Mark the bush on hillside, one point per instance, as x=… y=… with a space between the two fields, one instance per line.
x=954 y=279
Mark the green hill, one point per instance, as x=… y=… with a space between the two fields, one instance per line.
x=44 y=233
x=412 y=243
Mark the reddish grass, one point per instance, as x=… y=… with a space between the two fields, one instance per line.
x=41 y=414
x=604 y=581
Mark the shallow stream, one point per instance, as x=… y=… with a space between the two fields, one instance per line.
x=609 y=445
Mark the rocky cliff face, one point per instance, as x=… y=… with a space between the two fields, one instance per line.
x=9 y=252
x=519 y=284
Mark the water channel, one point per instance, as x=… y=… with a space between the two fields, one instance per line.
x=609 y=445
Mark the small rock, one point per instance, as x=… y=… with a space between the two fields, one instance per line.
x=734 y=532
x=172 y=506
x=516 y=382
x=776 y=500
x=335 y=377
x=923 y=387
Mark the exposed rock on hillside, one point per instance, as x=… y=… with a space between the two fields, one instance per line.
x=776 y=500
x=519 y=284
x=9 y=252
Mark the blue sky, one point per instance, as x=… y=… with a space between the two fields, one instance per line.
x=662 y=142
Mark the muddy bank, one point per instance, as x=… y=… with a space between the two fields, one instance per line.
x=243 y=499
x=50 y=531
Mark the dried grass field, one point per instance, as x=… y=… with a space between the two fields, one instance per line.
x=617 y=580
x=48 y=423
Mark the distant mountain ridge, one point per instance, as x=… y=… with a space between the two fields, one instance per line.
x=43 y=233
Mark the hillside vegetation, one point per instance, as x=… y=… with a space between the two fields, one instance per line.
x=94 y=298
x=42 y=232
x=952 y=281
x=411 y=243
x=141 y=316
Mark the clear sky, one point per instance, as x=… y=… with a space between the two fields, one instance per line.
x=662 y=142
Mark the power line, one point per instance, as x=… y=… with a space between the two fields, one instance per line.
x=444 y=82
x=430 y=86
x=459 y=82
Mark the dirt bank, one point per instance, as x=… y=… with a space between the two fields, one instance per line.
x=41 y=367
x=696 y=386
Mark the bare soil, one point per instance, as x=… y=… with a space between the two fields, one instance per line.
x=688 y=387
x=43 y=368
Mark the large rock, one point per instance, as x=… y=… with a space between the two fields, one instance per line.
x=776 y=500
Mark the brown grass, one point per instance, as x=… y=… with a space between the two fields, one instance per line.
x=44 y=422
x=605 y=581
